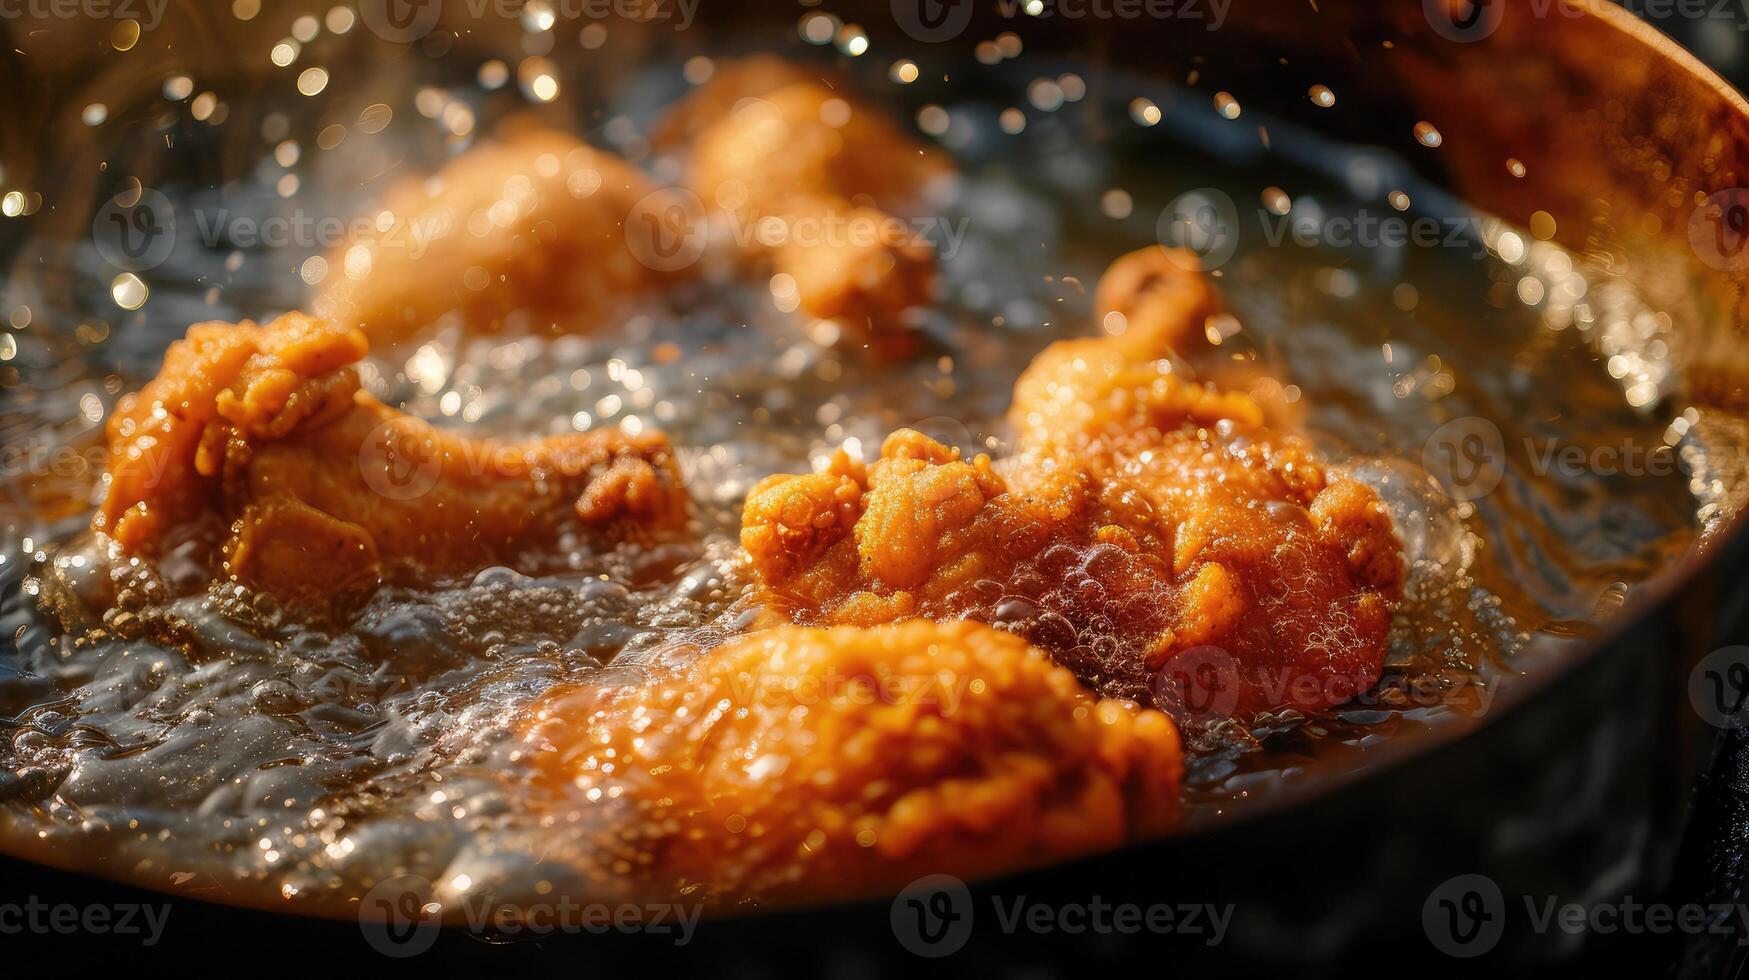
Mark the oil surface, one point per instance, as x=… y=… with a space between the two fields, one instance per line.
x=187 y=734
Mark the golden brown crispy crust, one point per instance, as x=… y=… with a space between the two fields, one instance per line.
x=1121 y=560
x=908 y=537
x=1155 y=303
x=813 y=180
x=1144 y=518
x=731 y=81
x=812 y=763
x=1095 y=390
x=1155 y=300
x=266 y=427
x=166 y=440
x=530 y=226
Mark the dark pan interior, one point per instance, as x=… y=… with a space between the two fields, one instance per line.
x=1581 y=772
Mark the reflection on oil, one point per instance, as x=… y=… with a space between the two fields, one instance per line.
x=196 y=729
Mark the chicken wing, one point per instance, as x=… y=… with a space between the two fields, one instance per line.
x=808 y=763
x=1153 y=301
x=529 y=229
x=819 y=185
x=910 y=534
x=322 y=485
x=1145 y=519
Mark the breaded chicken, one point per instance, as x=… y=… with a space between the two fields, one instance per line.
x=820 y=185
x=1157 y=438
x=529 y=229
x=1153 y=301
x=837 y=147
x=910 y=534
x=731 y=81
x=1146 y=518
x=813 y=763
x=1096 y=390
x=322 y=485
x=1124 y=562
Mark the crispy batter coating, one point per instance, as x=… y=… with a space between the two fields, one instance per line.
x=1154 y=300
x=1117 y=561
x=529 y=228
x=1095 y=391
x=731 y=81
x=1151 y=303
x=808 y=763
x=1155 y=303
x=813 y=181
x=323 y=485
x=157 y=434
x=910 y=534
x=1145 y=518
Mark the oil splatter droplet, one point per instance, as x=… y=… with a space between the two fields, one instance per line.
x=128 y=291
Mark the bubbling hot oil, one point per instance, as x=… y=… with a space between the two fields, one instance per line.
x=184 y=730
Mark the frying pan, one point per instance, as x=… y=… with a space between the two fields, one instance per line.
x=1581 y=782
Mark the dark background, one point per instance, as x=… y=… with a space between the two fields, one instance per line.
x=1717 y=31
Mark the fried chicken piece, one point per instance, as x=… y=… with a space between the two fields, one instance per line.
x=731 y=82
x=527 y=229
x=909 y=534
x=1095 y=390
x=819 y=185
x=1289 y=570
x=1153 y=301
x=839 y=147
x=1146 y=518
x=804 y=763
x=323 y=485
